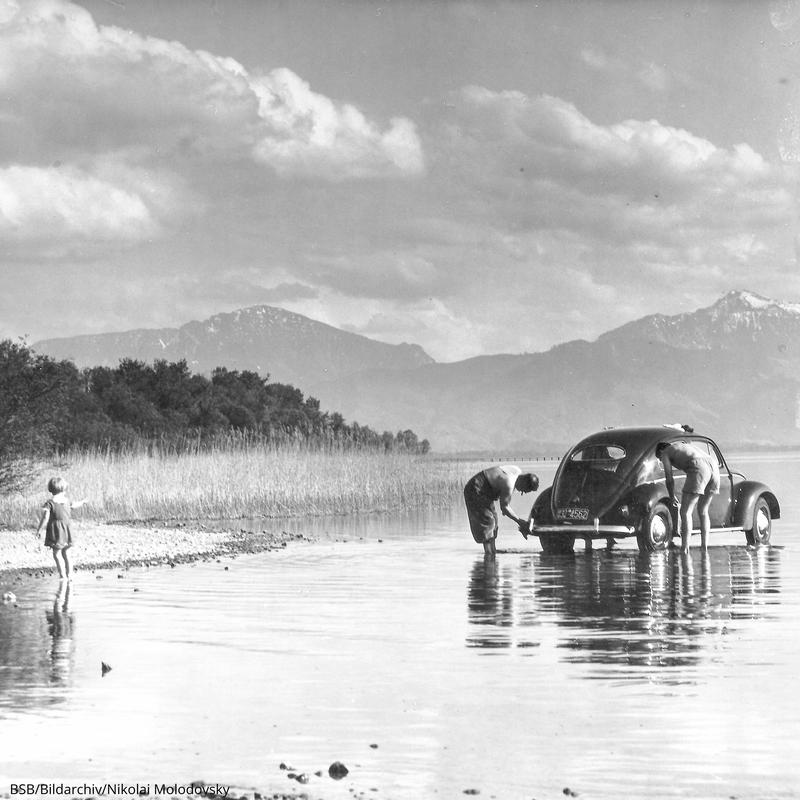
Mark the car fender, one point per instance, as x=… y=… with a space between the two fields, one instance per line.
x=541 y=510
x=747 y=492
x=646 y=495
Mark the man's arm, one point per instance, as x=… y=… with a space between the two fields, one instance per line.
x=668 y=478
x=509 y=512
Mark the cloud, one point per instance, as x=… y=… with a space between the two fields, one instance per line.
x=647 y=73
x=400 y=276
x=85 y=95
x=447 y=334
x=548 y=168
x=307 y=133
x=88 y=87
x=54 y=203
x=599 y=60
x=654 y=77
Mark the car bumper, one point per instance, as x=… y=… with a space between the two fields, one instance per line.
x=598 y=530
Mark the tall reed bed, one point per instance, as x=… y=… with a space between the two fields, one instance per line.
x=240 y=479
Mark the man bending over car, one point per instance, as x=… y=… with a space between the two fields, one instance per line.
x=702 y=483
x=481 y=492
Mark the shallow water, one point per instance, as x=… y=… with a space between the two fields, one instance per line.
x=425 y=669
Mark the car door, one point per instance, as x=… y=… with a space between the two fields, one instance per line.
x=721 y=504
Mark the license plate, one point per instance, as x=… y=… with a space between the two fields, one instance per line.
x=576 y=514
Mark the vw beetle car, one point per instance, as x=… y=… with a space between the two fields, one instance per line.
x=611 y=485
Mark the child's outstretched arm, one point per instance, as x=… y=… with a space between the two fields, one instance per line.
x=78 y=503
x=43 y=517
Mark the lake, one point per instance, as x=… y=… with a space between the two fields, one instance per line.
x=392 y=646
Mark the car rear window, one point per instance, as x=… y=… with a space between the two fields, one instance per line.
x=599 y=452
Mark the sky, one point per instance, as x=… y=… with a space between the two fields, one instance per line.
x=472 y=177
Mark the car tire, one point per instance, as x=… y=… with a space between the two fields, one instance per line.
x=556 y=544
x=762 y=523
x=656 y=529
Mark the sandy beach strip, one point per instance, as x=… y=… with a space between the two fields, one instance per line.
x=106 y=546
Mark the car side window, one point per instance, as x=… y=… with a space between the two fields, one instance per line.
x=658 y=468
x=650 y=470
x=716 y=454
x=707 y=447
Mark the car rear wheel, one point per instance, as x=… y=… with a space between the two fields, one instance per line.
x=762 y=523
x=556 y=544
x=655 y=532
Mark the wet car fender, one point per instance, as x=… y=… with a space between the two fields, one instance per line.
x=541 y=511
x=747 y=492
x=642 y=499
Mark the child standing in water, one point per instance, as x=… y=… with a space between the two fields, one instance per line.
x=55 y=518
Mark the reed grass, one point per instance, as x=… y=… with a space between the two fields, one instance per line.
x=239 y=479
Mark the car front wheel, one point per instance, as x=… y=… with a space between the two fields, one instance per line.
x=655 y=532
x=762 y=523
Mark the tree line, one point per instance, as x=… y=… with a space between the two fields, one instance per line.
x=48 y=405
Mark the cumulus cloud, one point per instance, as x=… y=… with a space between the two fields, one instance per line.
x=92 y=86
x=56 y=204
x=83 y=94
x=548 y=167
x=307 y=132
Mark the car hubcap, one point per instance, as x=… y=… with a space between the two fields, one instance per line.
x=762 y=523
x=658 y=529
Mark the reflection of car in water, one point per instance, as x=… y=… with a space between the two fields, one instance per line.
x=623 y=610
x=659 y=610
x=611 y=484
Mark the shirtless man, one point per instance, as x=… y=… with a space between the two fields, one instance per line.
x=702 y=483
x=481 y=492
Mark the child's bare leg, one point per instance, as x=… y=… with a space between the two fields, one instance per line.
x=59 y=564
x=67 y=563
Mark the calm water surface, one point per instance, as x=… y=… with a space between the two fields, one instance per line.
x=423 y=668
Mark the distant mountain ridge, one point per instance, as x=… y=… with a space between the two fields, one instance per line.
x=290 y=348
x=731 y=369
x=737 y=318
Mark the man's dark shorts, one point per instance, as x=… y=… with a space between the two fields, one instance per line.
x=479 y=497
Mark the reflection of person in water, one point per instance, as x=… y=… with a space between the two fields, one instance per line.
x=60 y=624
x=500 y=605
x=495 y=484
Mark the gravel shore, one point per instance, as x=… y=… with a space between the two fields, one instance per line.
x=105 y=546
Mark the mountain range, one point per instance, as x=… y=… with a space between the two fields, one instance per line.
x=731 y=370
x=287 y=347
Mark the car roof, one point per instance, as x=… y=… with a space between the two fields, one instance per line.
x=634 y=439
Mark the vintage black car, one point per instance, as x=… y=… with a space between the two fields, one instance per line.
x=610 y=485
